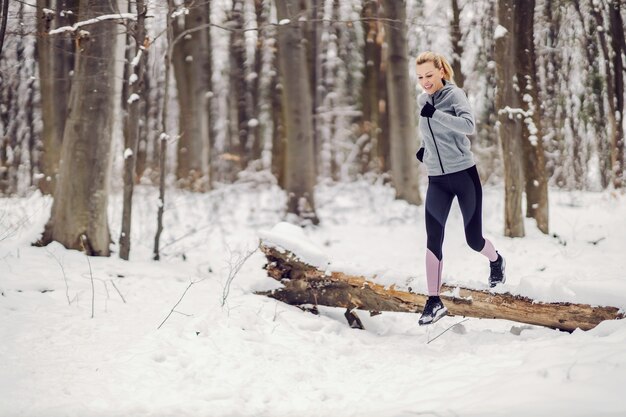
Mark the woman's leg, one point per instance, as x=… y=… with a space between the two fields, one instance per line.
x=438 y=202
x=470 y=195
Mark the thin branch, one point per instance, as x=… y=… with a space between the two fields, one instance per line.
x=234 y=270
x=93 y=290
x=440 y=334
x=3 y=25
x=67 y=288
x=178 y=302
x=118 y=291
x=78 y=25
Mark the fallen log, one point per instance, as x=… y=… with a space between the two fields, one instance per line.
x=305 y=284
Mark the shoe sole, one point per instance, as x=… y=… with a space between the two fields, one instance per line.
x=441 y=313
x=493 y=284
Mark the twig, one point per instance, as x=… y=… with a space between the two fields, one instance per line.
x=118 y=291
x=93 y=290
x=67 y=288
x=439 y=335
x=78 y=25
x=234 y=270
x=178 y=302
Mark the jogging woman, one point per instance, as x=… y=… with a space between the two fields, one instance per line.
x=445 y=121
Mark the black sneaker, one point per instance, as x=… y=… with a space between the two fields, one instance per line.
x=433 y=311
x=497 y=272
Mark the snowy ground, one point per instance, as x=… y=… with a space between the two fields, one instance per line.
x=228 y=352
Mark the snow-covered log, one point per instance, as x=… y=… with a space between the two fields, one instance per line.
x=306 y=284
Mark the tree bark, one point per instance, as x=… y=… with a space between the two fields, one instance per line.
x=618 y=44
x=532 y=137
x=135 y=95
x=401 y=105
x=509 y=117
x=238 y=108
x=296 y=93
x=164 y=136
x=371 y=95
x=456 y=37
x=255 y=98
x=611 y=115
x=304 y=284
x=79 y=211
x=192 y=73
x=55 y=56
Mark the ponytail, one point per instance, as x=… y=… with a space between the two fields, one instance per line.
x=438 y=61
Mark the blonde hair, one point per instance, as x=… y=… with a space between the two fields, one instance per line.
x=438 y=61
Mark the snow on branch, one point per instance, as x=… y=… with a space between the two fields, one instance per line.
x=78 y=25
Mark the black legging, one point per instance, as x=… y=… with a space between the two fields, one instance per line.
x=465 y=185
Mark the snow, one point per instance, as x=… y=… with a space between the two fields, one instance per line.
x=136 y=58
x=289 y=237
x=228 y=352
x=500 y=32
x=78 y=25
x=133 y=97
x=128 y=153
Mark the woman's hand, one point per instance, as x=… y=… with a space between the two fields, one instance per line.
x=420 y=155
x=427 y=110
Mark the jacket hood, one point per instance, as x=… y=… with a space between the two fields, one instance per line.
x=447 y=85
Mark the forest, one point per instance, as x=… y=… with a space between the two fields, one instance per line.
x=214 y=208
x=97 y=97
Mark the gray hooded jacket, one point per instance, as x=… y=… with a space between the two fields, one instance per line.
x=444 y=135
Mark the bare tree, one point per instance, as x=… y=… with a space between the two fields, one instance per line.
x=4 y=13
x=134 y=96
x=509 y=115
x=191 y=59
x=56 y=63
x=618 y=44
x=456 y=37
x=163 y=137
x=401 y=105
x=372 y=73
x=532 y=137
x=238 y=109
x=296 y=93
x=79 y=211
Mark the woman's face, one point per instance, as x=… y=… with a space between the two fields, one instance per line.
x=429 y=77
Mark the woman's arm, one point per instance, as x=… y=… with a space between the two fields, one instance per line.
x=463 y=122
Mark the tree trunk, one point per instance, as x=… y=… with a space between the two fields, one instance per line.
x=79 y=211
x=304 y=284
x=532 y=137
x=401 y=105
x=164 y=136
x=611 y=115
x=55 y=56
x=134 y=97
x=191 y=70
x=384 y=135
x=279 y=138
x=238 y=113
x=456 y=37
x=618 y=44
x=509 y=117
x=299 y=161
x=255 y=95
x=594 y=95
x=371 y=94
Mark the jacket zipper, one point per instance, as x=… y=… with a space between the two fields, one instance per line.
x=435 y=141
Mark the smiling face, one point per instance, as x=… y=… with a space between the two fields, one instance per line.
x=429 y=77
